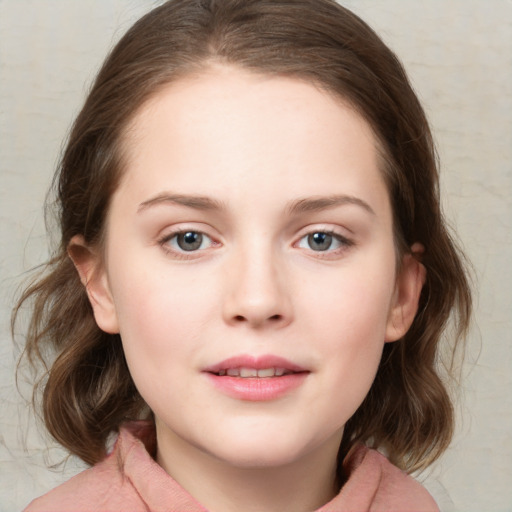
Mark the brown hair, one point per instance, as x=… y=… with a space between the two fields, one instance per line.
x=88 y=391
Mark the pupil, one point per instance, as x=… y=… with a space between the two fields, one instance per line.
x=190 y=241
x=320 y=241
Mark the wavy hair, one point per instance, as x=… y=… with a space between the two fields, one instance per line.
x=88 y=391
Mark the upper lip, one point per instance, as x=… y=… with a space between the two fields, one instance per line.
x=258 y=363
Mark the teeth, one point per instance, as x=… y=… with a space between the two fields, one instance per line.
x=267 y=372
x=253 y=372
x=248 y=372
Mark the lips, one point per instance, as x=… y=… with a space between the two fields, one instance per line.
x=256 y=378
x=245 y=373
x=248 y=366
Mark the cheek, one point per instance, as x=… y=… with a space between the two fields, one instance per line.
x=354 y=338
x=161 y=316
x=157 y=330
x=351 y=320
x=157 y=296
x=355 y=303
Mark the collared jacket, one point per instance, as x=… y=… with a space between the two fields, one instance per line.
x=129 y=479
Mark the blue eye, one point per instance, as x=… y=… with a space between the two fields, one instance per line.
x=189 y=241
x=322 y=241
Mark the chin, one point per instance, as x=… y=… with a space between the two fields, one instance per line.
x=262 y=451
x=259 y=459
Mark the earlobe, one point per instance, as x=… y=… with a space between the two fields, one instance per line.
x=409 y=284
x=93 y=276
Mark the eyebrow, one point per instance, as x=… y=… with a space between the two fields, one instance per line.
x=191 y=201
x=304 y=205
x=313 y=204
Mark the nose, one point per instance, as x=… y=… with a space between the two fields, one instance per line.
x=258 y=291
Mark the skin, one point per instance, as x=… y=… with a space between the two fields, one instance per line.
x=256 y=147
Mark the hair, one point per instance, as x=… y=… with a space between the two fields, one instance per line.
x=88 y=390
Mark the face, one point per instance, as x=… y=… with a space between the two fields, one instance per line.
x=250 y=267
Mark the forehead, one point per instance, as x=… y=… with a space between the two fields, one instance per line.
x=226 y=127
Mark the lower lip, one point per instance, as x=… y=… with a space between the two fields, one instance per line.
x=257 y=389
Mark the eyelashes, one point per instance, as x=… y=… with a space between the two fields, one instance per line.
x=193 y=244
x=189 y=241
x=324 y=241
x=186 y=244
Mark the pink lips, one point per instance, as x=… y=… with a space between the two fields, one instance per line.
x=238 y=377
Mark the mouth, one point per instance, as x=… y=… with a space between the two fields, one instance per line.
x=262 y=367
x=256 y=379
x=248 y=373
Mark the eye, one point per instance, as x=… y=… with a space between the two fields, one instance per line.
x=322 y=241
x=188 y=241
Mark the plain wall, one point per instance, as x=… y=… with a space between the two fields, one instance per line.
x=459 y=56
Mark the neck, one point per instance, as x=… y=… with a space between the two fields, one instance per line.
x=299 y=486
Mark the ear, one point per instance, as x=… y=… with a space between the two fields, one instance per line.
x=90 y=267
x=409 y=283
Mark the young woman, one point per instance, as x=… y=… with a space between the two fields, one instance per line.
x=254 y=273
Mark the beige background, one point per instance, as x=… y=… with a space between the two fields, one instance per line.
x=459 y=56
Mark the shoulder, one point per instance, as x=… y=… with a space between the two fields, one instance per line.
x=105 y=486
x=374 y=484
x=397 y=489
x=128 y=479
x=101 y=487
x=394 y=489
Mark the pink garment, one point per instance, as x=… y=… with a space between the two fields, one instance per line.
x=130 y=480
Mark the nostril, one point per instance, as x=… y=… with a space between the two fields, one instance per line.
x=273 y=318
